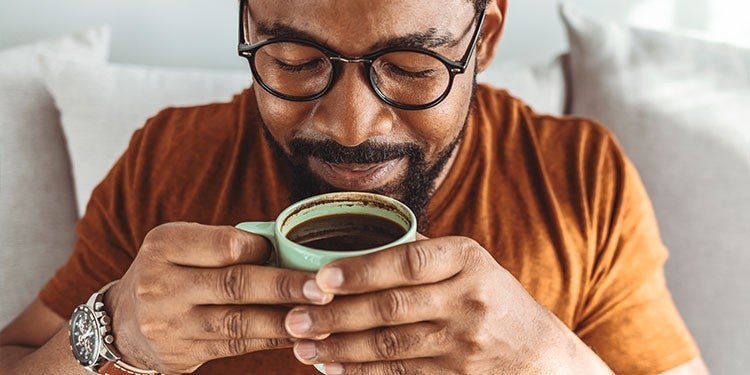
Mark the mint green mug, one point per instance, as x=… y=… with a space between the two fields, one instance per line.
x=320 y=227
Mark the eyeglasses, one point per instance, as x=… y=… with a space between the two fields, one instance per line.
x=302 y=70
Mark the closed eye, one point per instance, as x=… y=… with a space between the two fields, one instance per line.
x=399 y=71
x=307 y=66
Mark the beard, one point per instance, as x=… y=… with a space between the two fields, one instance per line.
x=414 y=187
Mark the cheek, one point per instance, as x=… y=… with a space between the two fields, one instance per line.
x=282 y=117
x=438 y=126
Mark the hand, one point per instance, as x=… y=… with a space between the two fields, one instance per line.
x=434 y=306
x=195 y=293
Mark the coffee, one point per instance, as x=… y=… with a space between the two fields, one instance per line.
x=346 y=232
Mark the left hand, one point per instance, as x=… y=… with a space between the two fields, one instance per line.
x=433 y=306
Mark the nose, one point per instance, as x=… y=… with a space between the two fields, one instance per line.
x=350 y=113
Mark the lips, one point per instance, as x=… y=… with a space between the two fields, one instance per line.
x=357 y=176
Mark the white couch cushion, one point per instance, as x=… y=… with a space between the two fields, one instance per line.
x=37 y=209
x=102 y=105
x=541 y=86
x=681 y=108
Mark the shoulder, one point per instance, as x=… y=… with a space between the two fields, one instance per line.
x=183 y=137
x=574 y=165
x=197 y=126
x=559 y=141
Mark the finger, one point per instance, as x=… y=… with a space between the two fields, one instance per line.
x=419 y=262
x=235 y=322
x=191 y=244
x=207 y=350
x=381 y=344
x=418 y=366
x=421 y=237
x=250 y=284
x=356 y=313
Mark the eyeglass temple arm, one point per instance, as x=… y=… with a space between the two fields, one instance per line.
x=475 y=39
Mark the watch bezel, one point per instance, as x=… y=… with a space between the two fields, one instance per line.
x=90 y=314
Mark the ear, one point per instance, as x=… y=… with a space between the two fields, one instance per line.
x=494 y=22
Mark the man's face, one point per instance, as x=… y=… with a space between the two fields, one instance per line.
x=349 y=139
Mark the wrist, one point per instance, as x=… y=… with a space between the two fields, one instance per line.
x=92 y=338
x=564 y=352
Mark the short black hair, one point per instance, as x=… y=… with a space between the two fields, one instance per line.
x=479 y=4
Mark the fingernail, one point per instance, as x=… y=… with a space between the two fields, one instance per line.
x=306 y=350
x=311 y=290
x=333 y=369
x=331 y=277
x=298 y=322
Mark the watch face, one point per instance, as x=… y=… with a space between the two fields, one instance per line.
x=85 y=340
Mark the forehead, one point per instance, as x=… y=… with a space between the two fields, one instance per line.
x=352 y=26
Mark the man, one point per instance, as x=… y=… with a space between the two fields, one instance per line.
x=540 y=251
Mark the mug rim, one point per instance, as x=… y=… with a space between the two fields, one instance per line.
x=335 y=197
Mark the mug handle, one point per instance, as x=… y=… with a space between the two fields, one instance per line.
x=265 y=229
x=261 y=228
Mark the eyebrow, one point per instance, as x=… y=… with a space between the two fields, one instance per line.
x=430 y=38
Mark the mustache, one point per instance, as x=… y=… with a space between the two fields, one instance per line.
x=368 y=152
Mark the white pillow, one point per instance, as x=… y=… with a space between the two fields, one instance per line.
x=37 y=210
x=101 y=106
x=540 y=86
x=681 y=108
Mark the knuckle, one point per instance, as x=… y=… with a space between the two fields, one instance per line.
x=284 y=287
x=475 y=307
x=232 y=242
x=466 y=243
x=233 y=324
x=476 y=344
x=393 y=306
x=162 y=233
x=162 y=240
x=442 y=338
x=418 y=261
x=153 y=329
x=388 y=343
x=153 y=241
x=483 y=340
x=477 y=301
x=396 y=367
x=237 y=347
x=469 y=248
x=233 y=284
x=146 y=290
x=217 y=349
x=157 y=233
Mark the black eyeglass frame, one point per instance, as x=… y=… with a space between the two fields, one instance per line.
x=247 y=50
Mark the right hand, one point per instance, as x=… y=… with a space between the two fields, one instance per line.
x=196 y=293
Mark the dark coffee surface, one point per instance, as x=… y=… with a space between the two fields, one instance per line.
x=346 y=232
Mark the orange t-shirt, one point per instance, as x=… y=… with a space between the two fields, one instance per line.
x=554 y=200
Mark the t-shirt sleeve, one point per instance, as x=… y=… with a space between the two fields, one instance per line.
x=106 y=244
x=629 y=318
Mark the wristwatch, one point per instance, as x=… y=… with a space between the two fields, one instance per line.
x=92 y=342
